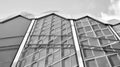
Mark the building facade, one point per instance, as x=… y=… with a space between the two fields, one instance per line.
x=56 y=41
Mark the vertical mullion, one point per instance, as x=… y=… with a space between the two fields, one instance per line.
x=78 y=50
x=27 y=35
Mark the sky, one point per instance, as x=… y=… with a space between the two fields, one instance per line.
x=98 y=8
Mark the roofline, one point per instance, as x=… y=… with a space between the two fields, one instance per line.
x=64 y=16
x=3 y=20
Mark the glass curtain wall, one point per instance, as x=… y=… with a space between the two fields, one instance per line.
x=99 y=46
x=50 y=44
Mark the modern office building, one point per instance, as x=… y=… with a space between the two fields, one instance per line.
x=56 y=41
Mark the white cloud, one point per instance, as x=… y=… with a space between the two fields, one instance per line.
x=115 y=8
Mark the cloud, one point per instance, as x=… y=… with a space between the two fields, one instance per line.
x=115 y=8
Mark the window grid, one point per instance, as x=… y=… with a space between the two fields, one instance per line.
x=99 y=30
x=54 y=28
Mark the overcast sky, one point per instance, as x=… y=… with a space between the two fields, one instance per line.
x=70 y=7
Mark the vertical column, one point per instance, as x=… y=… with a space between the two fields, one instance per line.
x=23 y=43
x=79 y=55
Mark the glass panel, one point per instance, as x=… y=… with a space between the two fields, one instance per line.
x=58 y=64
x=50 y=59
x=74 y=61
x=34 y=65
x=92 y=21
x=90 y=34
x=22 y=64
x=29 y=59
x=107 y=32
x=42 y=63
x=43 y=53
x=78 y=24
x=93 y=42
x=85 y=42
x=85 y=22
x=91 y=63
x=98 y=52
x=36 y=56
x=108 y=49
x=67 y=62
x=95 y=27
x=116 y=47
x=103 y=41
x=99 y=33
x=114 y=60
x=80 y=30
x=50 y=50
x=34 y=40
x=87 y=53
x=112 y=38
x=82 y=36
x=102 y=26
x=102 y=62
x=57 y=56
x=88 y=28
x=66 y=51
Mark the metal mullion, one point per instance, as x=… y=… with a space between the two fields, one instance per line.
x=23 y=44
x=78 y=49
x=115 y=33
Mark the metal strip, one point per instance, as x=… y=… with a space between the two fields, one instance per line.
x=114 y=32
x=23 y=44
x=79 y=55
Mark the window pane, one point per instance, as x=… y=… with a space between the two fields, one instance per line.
x=112 y=38
x=114 y=60
x=57 y=56
x=116 y=47
x=102 y=26
x=66 y=52
x=29 y=59
x=57 y=64
x=103 y=62
x=43 y=53
x=88 y=28
x=108 y=49
x=107 y=32
x=50 y=59
x=91 y=63
x=93 y=42
x=99 y=33
x=92 y=21
x=95 y=27
x=34 y=65
x=87 y=53
x=90 y=34
x=103 y=41
x=74 y=61
x=42 y=63
x=67 y=62
x=22 y=63
x=36 y=56
x=78 y=24
x=98 y=52
x=85 y=22
x=80 y=30
x=85 y=42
